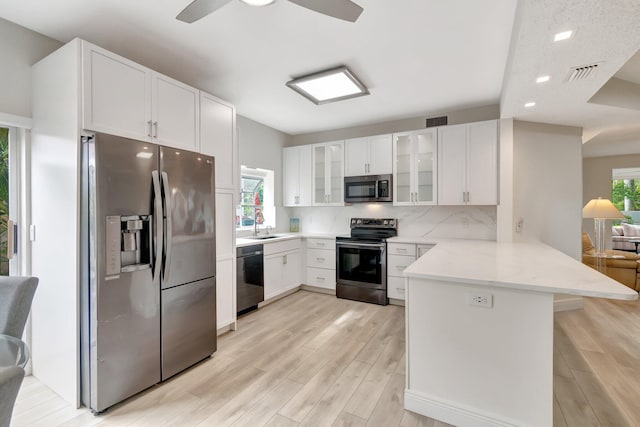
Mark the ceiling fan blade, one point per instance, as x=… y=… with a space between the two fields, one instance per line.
x=341 y=9
x=199 y=9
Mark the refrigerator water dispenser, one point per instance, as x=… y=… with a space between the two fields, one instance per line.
x=128 y=243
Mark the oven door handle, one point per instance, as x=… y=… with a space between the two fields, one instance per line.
x=361 y=245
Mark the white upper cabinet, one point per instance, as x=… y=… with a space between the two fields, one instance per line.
x=116 y=94
x=217 y=124
x=415 y=168
x=175 y=113
x=126 y=99
x=296 y=181
x=368 y=156
x=467 y=164
x=328 y=174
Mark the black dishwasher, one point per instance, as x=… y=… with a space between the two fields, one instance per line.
x=250 y=278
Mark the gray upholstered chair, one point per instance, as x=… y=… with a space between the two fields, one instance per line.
x=16 y=295
x=10 y=380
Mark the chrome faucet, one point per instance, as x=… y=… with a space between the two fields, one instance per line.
x=256 y=229
x=269 y=228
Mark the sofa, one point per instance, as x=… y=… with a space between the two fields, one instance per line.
x=625 y=270
x=621 y=234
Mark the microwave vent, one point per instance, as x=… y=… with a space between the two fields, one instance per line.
x=437 y=121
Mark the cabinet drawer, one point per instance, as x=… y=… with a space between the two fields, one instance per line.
x=395 y=288
x=283 y=246
x=315 y=243
x=320 y=258
x=397 y=263
x=401 y=249
x=320 y=277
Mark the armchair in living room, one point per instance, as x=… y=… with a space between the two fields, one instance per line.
x=625 y=269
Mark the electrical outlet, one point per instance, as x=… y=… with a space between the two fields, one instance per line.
x=480 y=300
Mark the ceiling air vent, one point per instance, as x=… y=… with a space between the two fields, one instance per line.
x=583 y=72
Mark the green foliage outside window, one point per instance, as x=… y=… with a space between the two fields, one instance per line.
x=621 y=190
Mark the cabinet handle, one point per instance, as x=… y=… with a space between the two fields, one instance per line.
x=400 y=267
x=401 y=290
x=284 y=259
x=155 y=126
x=319 y=278
x=468 y=197
x=320 y=259
x=296 y=200
x=464 y=197
x=320 y=244
x=149 y=123
x=401 y=249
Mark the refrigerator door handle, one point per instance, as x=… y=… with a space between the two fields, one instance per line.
x=168 y=224
x=157 y=192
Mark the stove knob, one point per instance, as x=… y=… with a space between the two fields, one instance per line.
x=359 y=221
x=353 y=221
x=385 y=222
x=391 y=222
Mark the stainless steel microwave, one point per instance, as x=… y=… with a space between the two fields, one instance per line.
x=368 y=189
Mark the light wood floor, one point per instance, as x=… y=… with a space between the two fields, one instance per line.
x=314 y=360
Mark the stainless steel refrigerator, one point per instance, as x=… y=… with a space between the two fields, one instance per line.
x=148 y=265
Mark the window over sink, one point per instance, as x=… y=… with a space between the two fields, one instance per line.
x=257 y=205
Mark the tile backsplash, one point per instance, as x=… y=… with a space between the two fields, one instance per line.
x=469 y=222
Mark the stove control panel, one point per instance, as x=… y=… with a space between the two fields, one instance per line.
x=374 y=223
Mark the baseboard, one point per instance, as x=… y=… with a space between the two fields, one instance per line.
x=451 y=413
x=567 y=302
x=394 y=301
x=226 y=328
x=318 y=290
x=279 y=296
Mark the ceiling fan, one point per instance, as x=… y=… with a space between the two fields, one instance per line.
x=341 y=9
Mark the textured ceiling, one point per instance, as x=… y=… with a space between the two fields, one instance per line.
x=416 y=56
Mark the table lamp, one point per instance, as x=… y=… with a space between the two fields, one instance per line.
x=600 y=210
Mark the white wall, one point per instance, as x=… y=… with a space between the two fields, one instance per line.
x=261 y=147
x=547 y=185
x=20 y=48
x=478 y=114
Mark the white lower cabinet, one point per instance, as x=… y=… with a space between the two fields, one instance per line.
x=225 y=293
x=282 y=267
x=399 y=257
x=321 y=263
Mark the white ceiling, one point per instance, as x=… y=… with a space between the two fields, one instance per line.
x=416 y=56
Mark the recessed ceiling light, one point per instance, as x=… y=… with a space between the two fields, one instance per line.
x=257 y=2
x=542 y=79
x=530 y=104
x=562 y=36
x=329 y=86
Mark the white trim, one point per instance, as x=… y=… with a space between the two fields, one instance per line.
x=451 y=413
x=11 y=120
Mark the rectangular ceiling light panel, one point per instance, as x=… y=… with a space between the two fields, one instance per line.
x=329 y=86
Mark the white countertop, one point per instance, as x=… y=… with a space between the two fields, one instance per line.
x=247 y=241
x=527 y=266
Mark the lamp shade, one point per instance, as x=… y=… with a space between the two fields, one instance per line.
x=601 y=208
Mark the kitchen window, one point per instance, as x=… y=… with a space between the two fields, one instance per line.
x=256 y=199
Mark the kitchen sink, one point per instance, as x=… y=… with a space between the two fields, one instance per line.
x=261 y=237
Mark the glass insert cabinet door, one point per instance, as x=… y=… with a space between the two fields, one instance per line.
x=424 y=149
x=328 y=173
x=319 y=174
x=415 y=168
x=403 y=157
